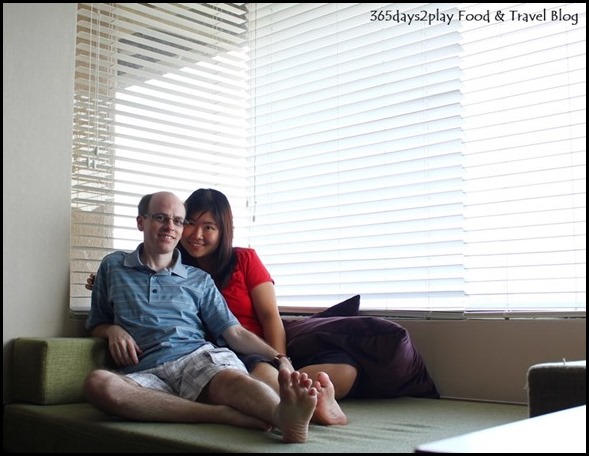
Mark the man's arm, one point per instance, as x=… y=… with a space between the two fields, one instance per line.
x=246 y=342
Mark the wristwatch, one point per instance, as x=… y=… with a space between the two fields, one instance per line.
x=277 y=358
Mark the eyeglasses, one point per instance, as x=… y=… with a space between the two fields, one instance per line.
x=163 y=219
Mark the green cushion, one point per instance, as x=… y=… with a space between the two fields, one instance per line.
x=556 y=386
x=375 y=426
x=51 y=370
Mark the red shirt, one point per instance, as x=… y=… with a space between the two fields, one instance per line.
x=249 y=272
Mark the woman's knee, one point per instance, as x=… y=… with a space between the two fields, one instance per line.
x=266 y=373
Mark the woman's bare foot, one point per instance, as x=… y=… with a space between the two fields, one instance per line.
x=298 y=398
x=328 y=410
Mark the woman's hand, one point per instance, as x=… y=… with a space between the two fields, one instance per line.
x=90 y=281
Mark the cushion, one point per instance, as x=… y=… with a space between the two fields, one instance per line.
x=389 y=364
x=346 y=308
x=52 y=370
x=554 y=386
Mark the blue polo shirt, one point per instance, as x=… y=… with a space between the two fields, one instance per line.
x=169 y=313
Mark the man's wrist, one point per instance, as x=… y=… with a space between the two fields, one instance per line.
x=277 y=359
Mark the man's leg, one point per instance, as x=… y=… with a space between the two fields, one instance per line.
x=290 y=410
x=118 y=395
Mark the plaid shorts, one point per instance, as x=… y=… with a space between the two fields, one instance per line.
x=187 y=376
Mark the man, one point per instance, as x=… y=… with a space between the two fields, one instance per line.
x=157 y=315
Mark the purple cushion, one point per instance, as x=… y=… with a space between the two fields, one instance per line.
x=347 y=308
x=389 y=364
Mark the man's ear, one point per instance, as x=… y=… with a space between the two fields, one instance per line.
x=140 y=222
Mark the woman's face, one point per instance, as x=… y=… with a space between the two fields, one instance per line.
x=201 y=235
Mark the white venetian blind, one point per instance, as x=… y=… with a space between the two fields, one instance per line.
x=436 y=165
x=524 y=86
x=160 y=104
x=428 y=161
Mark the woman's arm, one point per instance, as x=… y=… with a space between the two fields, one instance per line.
x=266 y=307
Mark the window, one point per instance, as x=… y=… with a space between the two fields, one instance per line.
x=429 y=157
x=160 y=103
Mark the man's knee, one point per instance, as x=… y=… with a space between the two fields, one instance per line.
x=227 y=380
x=99 y=385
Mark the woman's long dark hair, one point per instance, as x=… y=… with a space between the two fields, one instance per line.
x=223 y=261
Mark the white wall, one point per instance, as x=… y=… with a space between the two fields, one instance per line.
x=486 y=360
x=38 y=62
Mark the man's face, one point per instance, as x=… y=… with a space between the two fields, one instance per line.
x=163 y=226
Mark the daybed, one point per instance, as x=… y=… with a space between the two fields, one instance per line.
x=395 y=407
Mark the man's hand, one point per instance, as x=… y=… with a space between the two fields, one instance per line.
x=122 y=347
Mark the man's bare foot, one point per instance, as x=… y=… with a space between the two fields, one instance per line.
x=228 y=415
x=328 y=410
x=298 y=398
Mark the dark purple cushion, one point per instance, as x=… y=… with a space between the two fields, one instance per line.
x=389 y=364
x=347 y=308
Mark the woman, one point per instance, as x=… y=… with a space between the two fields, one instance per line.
x=248 y=288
